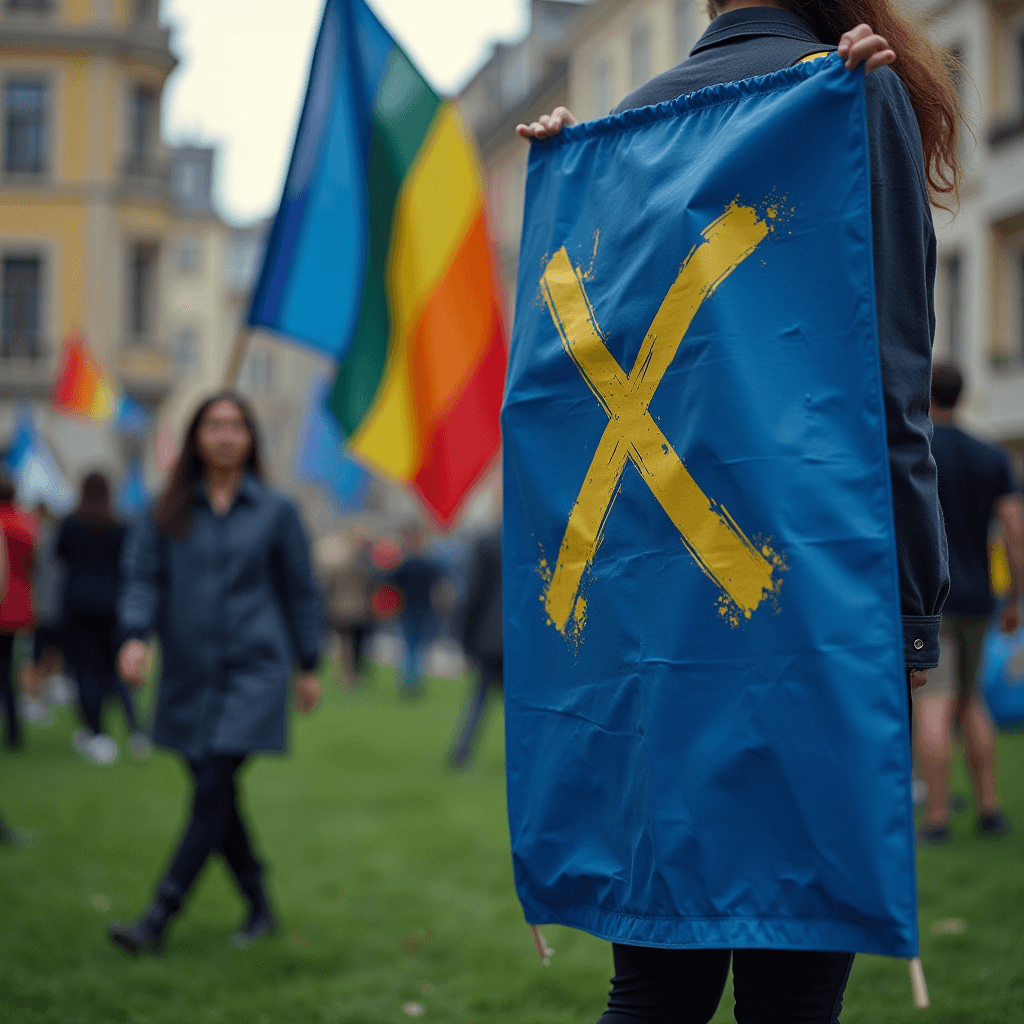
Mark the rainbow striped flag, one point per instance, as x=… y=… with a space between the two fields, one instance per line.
x=379 y=256
x=82 y=387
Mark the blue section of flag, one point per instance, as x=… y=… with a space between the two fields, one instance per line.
x=133 y=495
x=689 y=766
x=131 y=417
x=310 y=285
x=321 y=459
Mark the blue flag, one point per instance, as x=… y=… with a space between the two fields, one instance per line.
x=133 y=495
x=707 y=721
x=321 y=458
x=311 y=282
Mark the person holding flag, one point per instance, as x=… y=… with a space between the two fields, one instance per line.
x=912 y=118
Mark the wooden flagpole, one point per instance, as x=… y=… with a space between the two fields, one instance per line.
x=918 y=984
x=237 y=355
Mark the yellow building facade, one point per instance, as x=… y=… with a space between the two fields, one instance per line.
x=85 y=204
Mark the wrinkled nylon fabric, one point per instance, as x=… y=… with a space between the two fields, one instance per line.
x=689 y=766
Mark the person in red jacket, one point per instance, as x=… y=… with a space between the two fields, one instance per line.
x=19 y=530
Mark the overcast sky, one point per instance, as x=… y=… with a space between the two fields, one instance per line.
x=243 y=74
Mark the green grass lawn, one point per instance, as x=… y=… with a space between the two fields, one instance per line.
x=393 y=882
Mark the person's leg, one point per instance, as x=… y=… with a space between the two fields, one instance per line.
x=665 y=986
x=412 y=674
x=976 y=725
x=778 y=986
x=205 y=832
x=88 y=673
x=248 y=871
x=7 y=695
x=488 y=677
x=934 y=707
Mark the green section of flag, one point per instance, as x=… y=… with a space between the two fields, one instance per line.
x=402 y=118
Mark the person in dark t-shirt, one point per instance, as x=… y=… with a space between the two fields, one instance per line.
x=975 y=488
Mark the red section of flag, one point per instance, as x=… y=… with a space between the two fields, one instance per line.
x=467 y=438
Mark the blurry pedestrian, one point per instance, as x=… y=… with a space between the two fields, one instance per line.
x=220 y=572
x=47 y=640
x=348 y=606
x=89 y=545
x=975 y=488
x=416 y=579
x=479 y=631
x=8 y=837
x=16 y=613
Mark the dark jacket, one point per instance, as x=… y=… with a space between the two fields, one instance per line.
x=756 y=41
x=235 y=605
x=479 y=622
x=92 y=558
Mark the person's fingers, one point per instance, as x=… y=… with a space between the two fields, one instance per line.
x=865 y=48
x=879 y=60
x=855 y=34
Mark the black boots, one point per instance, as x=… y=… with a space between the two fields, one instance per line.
x=147 y=934
x=261 y=921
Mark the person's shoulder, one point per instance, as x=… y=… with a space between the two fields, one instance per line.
x=887 y=99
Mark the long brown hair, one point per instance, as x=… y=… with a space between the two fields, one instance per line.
x=94 y=508
x=173 y=512
x=925 y=69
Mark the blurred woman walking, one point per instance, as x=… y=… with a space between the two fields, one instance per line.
x=89 y=544
x=220 y=572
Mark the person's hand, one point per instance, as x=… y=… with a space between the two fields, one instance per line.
x=308 y=691
x=549 y=124
x=918 y=677
x=131 y=662
x=1010 y=617
x=862 y=46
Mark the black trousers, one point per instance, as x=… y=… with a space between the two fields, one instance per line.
x=7 y=690
x=684 y=986
x=90 y=643
x=215 y=825
x=489 y=677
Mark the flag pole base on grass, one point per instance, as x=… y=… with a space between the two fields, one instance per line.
x=544 y=951
x=918 y=984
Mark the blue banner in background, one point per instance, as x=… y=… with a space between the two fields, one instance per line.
x=706 y=707
x=34 y=469
x=321 y=458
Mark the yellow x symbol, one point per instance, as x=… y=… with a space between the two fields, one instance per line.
x=741 y=571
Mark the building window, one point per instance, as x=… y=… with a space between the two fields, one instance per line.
x=640 y=55
x=684 y=9
x=142 y=263
x=188 y=258
x=25 y=104
x=953 y=287
x=186 y=351
x=39 y=6
x=141 y=130
x=22 y=301
x=603 y=100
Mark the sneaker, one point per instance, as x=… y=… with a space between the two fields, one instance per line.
x=993 y=825
x=98 y=748
x=36 y=712
x=934 y=835
x=139 y=746
x=62 y=690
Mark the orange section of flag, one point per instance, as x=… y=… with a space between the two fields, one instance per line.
x=82 y=387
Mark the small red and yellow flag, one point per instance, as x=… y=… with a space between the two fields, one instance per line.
x=82 y=387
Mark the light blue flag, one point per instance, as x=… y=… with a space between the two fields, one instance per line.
x=133 y=495
x=320 y=457
x=35 y=471
x=707 y=721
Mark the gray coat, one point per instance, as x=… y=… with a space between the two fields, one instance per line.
x=235 y=606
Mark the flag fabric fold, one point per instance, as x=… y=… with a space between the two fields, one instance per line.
x=379 y=257
x=706 y=707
